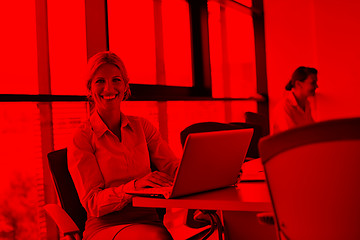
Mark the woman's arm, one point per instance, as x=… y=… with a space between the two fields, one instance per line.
x=282 y=119
x=161 y=156
x=88 y=179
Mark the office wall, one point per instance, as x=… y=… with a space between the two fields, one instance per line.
x=318 y=33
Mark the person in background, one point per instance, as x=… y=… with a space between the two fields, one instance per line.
x=294 y=109
x=111 y=153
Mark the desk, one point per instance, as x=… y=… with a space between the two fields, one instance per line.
x=249 y=197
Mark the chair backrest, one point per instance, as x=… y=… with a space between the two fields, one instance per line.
x=217 y=126
x=258 y=119
x=313 y=175
x=65 y=187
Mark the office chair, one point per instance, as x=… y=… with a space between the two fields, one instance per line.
x=217 y=126
x=71 y=216
x=258 y=119
x=68 y=196
x=253 y=151
x=313 y=178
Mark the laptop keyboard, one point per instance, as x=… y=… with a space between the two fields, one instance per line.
x=158 y=190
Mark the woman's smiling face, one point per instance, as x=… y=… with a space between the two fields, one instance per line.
x=309 y=86
x=107 y=87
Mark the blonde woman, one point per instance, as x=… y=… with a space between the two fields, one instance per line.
x=111 y=153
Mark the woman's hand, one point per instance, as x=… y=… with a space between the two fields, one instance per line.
x=154 y=179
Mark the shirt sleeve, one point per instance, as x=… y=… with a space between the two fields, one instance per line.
x=95 y=198
x=161 y=155
x=282 y=120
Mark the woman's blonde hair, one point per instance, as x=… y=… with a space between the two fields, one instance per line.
x=101 y=58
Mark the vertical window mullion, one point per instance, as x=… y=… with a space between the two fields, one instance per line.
x=200 y=46
x=45 y=110
x=160 y=66
x=96 y=26
x=225 y=63
x=260 y=59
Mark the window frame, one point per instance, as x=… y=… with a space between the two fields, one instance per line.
x=97 y=38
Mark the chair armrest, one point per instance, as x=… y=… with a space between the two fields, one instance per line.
x=62 y=220
x=197 y=219
x=266 y=218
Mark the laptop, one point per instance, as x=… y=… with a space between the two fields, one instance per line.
x=211 y=160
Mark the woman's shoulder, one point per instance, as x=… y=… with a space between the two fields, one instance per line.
x=83 y=129
x=142 y=123
x=137 y=119
x=81 y=136
x=286 y=100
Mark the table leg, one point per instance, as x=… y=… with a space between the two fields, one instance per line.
x=215 y=224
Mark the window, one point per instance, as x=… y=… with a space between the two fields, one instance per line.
x=232 y=52
x=132 y=37
x=66 y=117
x=21 y=172
x=188 y=61
x=67 y=47
x=18 y=68
x=154 y=43
x=177 y=47
x=20 y=189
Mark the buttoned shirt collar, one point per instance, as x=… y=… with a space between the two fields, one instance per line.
x=100 y=127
